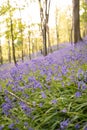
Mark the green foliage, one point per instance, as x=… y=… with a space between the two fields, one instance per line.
x=84 y=12
x=47 y=107
x=83 y=17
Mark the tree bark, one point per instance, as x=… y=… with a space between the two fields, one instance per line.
x=49 y=43
x=9 y=52
x=76 y=21
x=44 y=40
x=56 y=22
x=12 y=37
x=44 y=15
x=29 y=41
x=21 y=31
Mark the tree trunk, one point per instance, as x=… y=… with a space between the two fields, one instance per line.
x=29 y=47
x=76 y=21
x=9 y=52
x=12 y=37
x=29 y=41
x=49 y=43
x=22 y=46
x=71 y=35
x=21 y=31
x=44 y=40
x=57 y=33
x=44 y=15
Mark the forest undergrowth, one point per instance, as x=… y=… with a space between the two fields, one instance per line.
x=47 y=93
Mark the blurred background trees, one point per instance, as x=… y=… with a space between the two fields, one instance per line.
x=33 y=27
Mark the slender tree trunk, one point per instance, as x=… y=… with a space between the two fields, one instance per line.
x=76 y=21
x=29 y=41
x=1 y=58
x=12 y=37
x=9 y=52
x=44 y=15
x=71 y=36
x=22 y=46
x=44 y=40
x=36 y=45
x=57 y=33
x=21 y=31
x=47 y=26
x=33 y=48
x=49 y=43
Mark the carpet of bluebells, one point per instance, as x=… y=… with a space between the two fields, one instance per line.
x=46 y=93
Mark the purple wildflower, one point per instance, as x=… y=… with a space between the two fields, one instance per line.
x=64 y=70
x=77 y=126
x=80 y=83
x=43 y=95
x=30 y=129
x=37 y=85
x=48 y=79
x=64 y=124
x=54 y=101
x=64 y=110
x=84 y=87
x=7 y=106
x=85 y=128
x=26 y=124
x=25 y=108
x=78 y=94
x=41 y=104
x=85 y=77
x=11 y=126
x=80 y=74
x=1 y=127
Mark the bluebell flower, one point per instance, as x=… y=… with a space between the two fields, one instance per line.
x=7 y=100
x=11 y=126
x=6 y=107
x=41 y=104
x=1 y=127
x=54 y=101
x=64 y=70
x=64 y=124
x=43 y=95
x=26 y=124
x=84 y=87
x=37 y=85
x=25 y=108
x=80 y=74
x=32 y=79
x=80 y=83
x=30 y=129
x=78 y=94
x=48 y=79
x=85 y=128
x=14 y=72
x=64 y=110
x=77 y=126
